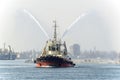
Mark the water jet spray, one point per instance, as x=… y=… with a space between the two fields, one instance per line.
x=69 y=27
x=31 y=16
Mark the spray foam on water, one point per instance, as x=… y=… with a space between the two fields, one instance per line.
x=66 y=31
x=36 y=22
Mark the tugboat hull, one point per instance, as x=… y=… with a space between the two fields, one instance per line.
x=53 y=61
x=52 y=64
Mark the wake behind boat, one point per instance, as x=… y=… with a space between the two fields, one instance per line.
x=54 y=54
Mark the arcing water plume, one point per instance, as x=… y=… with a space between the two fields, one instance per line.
x=66 y=31
x=36 y=22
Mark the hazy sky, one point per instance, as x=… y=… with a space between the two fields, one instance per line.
x=99 y=27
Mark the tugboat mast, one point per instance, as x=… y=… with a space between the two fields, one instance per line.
x=55 y=33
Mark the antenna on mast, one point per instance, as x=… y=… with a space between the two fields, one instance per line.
x=55 y=32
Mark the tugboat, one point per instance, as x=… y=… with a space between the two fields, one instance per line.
x=54 y=54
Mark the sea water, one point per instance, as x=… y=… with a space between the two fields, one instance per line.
x=18 y=70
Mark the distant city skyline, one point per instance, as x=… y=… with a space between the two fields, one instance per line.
x=75 y=50
x=98 y=27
